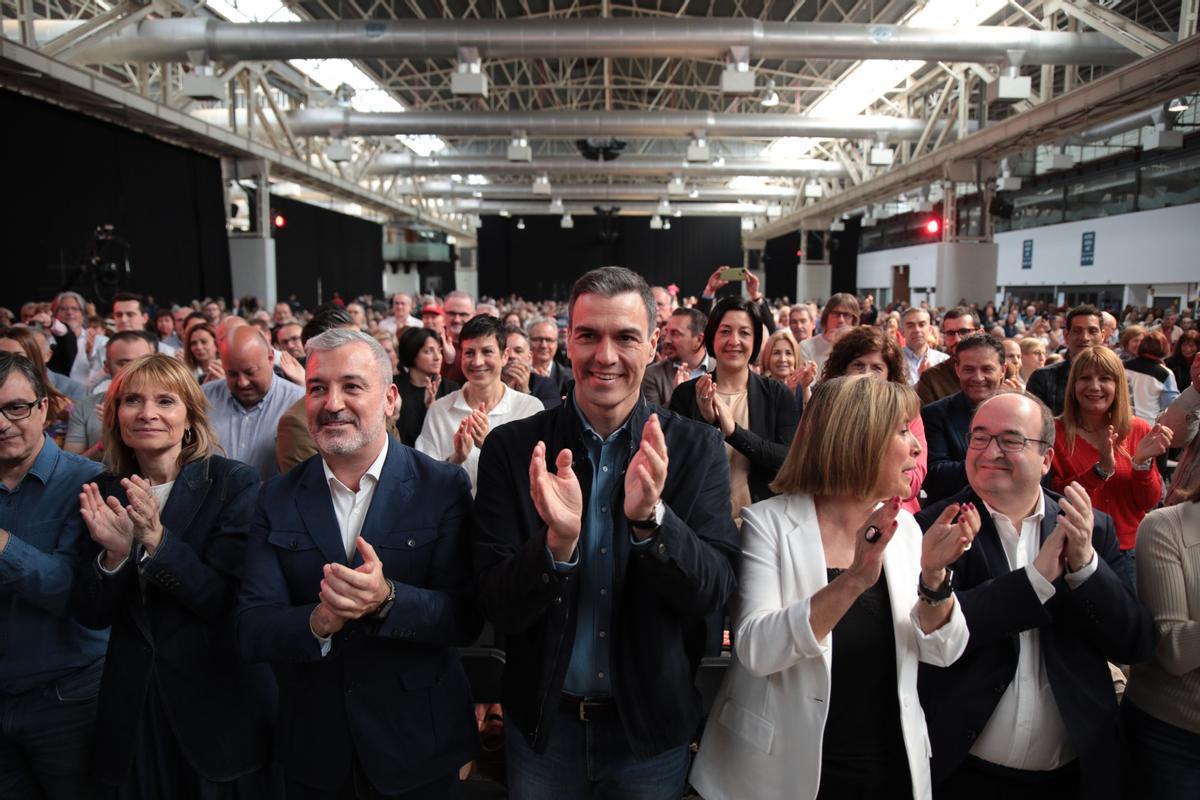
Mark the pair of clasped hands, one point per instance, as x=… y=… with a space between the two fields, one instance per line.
x=559 y=499
x=116 y=527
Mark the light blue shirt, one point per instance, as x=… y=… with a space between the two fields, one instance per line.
x=931 y=358
x=248 y=434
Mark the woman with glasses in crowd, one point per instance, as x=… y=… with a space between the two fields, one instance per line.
x=1033 y=356
x=756 y=415
x=1100 y=444
x=200 y=353
x=820 y=699
x=868 y=351
x=180 y=714
x=420 y=382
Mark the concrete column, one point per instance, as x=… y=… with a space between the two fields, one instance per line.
x=401 y=281
x=252 y=255
x=814 y=280
x=966 y=271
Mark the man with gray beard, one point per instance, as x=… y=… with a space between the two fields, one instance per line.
x=357 y=589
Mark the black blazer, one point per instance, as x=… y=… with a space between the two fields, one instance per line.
x=773 y=420
x=544 y=389
x=947 y=422
x=1081 y=631
x=172 y=630
x=661 y=595
x=391 y=693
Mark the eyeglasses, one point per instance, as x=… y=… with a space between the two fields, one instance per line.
x=842 y=314
x=1008 y=442
x=959 y=332
x=19 y=411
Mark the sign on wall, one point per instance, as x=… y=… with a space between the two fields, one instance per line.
x=1087 y=255
x=1027 y=254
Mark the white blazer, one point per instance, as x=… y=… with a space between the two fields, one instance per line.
x=763 y=737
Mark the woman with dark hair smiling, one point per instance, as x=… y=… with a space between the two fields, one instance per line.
x=868 y=351
x=420 y=381
x=180 y=714
x=756 y=415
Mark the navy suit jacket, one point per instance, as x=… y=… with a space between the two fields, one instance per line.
x=172 y=631
x=1081 y=630
x=392 y=693
x=947 y=422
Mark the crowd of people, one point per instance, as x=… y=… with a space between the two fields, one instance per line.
x=941 y=552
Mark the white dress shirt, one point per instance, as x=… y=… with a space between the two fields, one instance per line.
x=350 y=507
x=1026 y=731
x=931 y=358
x=447 y=413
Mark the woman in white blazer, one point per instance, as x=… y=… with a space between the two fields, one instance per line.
x=821 y=697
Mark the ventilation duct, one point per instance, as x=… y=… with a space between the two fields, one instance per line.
x=625 y=166
x=591 y=192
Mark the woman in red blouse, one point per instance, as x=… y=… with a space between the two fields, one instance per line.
x=1102 y=445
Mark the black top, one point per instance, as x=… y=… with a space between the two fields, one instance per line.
x=863 y=748
x=412 y=406
x=1182 y=367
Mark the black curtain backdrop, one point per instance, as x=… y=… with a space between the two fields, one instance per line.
x=542 y=261
x=843 y=257
x=66 y=174
x=779 y=261
x=344 y=253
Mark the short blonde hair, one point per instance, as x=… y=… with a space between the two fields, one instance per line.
x=764 y=357
x=842 y=436
x=1102 y=361
x=167 y=374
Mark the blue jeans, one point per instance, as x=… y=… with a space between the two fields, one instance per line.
x=1166 y=759
x=46 y=738
x=591 y=760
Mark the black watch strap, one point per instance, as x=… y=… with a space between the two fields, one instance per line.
x=938 y=594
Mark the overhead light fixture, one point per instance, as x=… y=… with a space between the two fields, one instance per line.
x=676 y=186
x=521 y=224
x=541 y=185
x=656 y=223
x=694 y=193
x=567 y=222
x=813 y=189
x=677 y=213
x=837 y=226
x=664 y=207
x=666 y=225
x=747 y=224
x=1178 y=105
x=556 y=205
x=504 y=212
x=770 y=97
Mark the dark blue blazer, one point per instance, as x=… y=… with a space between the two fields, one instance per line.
x=172 y=630
x=947 y=422
x=545 y=389
x=1081 y=630
x=391 y=693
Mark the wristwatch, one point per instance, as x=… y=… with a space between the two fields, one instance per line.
x=936 y=596
x=386 y=605
x=653 y=521
x=1101 y=473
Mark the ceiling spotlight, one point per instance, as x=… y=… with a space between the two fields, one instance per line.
x=677 y=213
x=556 y=205
x=747 y=223
x=504 y=212
x=770 y=97
x=567 y=222
x=541 y=185
x=694 y=193
x=521 y=224
x=664 y=207
x=666 y=225
x=1178 y=105
x=656 y=223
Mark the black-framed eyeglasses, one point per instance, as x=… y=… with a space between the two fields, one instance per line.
x=19 y=411
x=1008 y=442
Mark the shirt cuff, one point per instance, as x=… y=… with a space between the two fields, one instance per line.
x=1043 y=588
x=325 y=642
x=1076 y=579
x=105 y=570
x=642 y=544
x=564 y=566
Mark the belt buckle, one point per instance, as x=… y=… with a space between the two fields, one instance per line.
x=583 y=705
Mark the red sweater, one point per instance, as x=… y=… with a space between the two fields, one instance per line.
x=1126 y=496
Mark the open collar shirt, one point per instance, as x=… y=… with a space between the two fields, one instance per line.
x=248 y=434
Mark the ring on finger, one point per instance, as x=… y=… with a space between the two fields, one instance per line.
x=872 y=534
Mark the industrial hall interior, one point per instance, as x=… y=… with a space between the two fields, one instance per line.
x=634 y=399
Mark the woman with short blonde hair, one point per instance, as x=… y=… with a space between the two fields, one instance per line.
x=821 y=696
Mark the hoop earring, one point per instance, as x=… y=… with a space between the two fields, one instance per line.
x=189 y=437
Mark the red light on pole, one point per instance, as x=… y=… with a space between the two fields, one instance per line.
x=933 y=226
x=278 y=221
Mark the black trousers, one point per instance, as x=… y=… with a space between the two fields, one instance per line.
x=981 y=780
x=357 y=787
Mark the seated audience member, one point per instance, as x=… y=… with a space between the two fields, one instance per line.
x=388 y=342
x=357 y=590
x=288 y=339
x=26 y=342
x=1033 y=357
x=1049 y=384
x=129 y=314
x=603 y=597
x=801 y=321
x=1180 y=362
x=684 y=356
x=779 y=359
x=1161 y=707
x=840 y=597
x=73 y=389
x=756 y=416
x=201 y=354
x=1105 y=449
x=1152 y=384
x=1182 y=417
x=456 y=425
x=839 y=315
x=978 y=363
x=1130 y=341
x=1035 y=717
x=941 y=380
x=543 y=344
x=245 y=408
x=868 y=351
x=421 y=382
x=164 y=329
x=918 y=354
x=518 y=372
x=1012 y=364
x=51 y=665
x=180 y=714
x=85 y=431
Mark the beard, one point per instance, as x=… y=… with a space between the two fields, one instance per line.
x=347 y=441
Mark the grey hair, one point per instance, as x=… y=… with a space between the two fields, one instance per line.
x=533 y=323
x=336 y=338
x=610 y=282
x=459 y=293
x=76 y=296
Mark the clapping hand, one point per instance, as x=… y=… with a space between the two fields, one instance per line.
x=869 y=543
x=558 y=500
x=948 y=538
x=1108 y=449
x=1153 y=444
x=143 y=512
x=646 y=474
x=683 y=374
x=291 y=368
x=803 y=375
x=107 y=523
x=431 y=389
x=348 y=594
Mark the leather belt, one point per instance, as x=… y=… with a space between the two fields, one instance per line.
x=589 y=709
